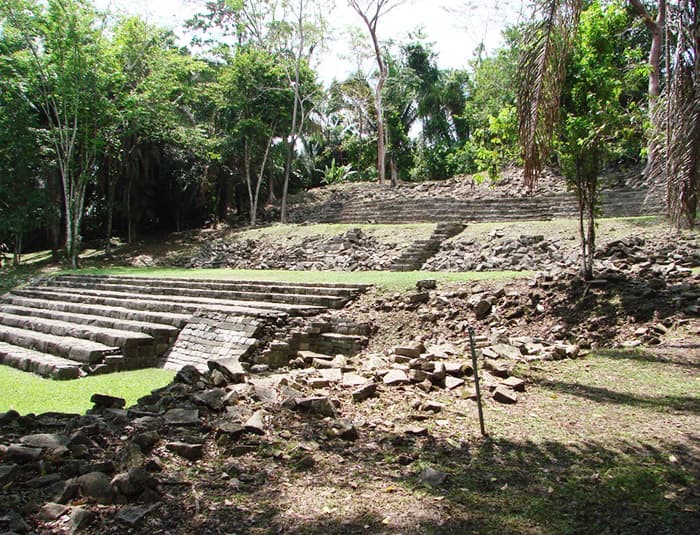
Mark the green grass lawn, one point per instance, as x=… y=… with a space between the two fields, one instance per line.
x=28 y=393
x=389 y=280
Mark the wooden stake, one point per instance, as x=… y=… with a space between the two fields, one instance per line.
x=476 y=382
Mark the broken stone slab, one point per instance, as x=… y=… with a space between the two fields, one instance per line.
x=44 y=481
x=417 y=376
x=231 y=368
x=189 y=375
x=364 y=392
x=426 y=284
x=146 y=439
x=80 y=518
x=453 y=382
x=186 y=450
x=482 y=309
x=133 y=483
x=229 y=428
x=20 y=454
x=332 y=375
x=351 y=380
x=431 y=406
x=94 y=486
x=417 y=431
x=395 y=378
x=321 y=405
x=410 y=350
x=51 y=511
x=256 y=423
x=212 y=398
x=103 y=401
x=434 y=478
x=514 y=383
x=505 y=395
x=507 y=351
x=8 y=473
x=134 y=514
x=457 y=368
x=49 y=441
x=343 y=429
x=498 y=368
x=183 y=417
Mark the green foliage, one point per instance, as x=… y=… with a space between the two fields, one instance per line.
x=336 y=174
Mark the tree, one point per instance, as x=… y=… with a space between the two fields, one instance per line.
x=598 y=111
x=370 y=12
x=63 y=43
x=254 y=104
x=655 y=25
x=545 y=49
x=683 y=118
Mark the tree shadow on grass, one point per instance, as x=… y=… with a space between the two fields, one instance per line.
x=502 y=486
x=686 y=355
x=689 y=404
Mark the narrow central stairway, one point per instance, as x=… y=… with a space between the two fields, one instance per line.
x=421 y=250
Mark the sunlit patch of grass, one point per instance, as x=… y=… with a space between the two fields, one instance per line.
x=28 y=393
x=390 y=280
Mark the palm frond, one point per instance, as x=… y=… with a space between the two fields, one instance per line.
x=541 y=72
x=683 y=179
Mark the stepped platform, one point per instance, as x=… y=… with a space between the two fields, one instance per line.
x=615 y=203
x=72 y=325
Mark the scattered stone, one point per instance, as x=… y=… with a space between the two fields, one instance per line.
x=319 y=405
x=343 y=429
x=213 y=398
x=256 y=423
x=94 y=486
x=351 y=380
x=189 y=375
x=132 y=483
x=431 y=406
x=44 y=481
x=364 y=392
x=133 y=514
x=507 y=351
x=418 y=431
x=8 y=473
x=433 y=478
x=411 y=350
x=184 y=417
x=102 y=401
x=46 y=441
x=505 y=395
x=51 y=511
x=17 y=453
x=514 y=383
x=453 y=382
x=232 y=369
x=395 y=378
x=482 y=309
x=146 y=439
x=80 y=518
x=191 y=452
x=426 y=284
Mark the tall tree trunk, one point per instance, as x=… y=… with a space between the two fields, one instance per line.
x=111 y=193
x=654 y=168
x=17 y=253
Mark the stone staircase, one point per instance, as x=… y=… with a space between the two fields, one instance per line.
x=615 y=203
x=421 y=250
x=72 y=325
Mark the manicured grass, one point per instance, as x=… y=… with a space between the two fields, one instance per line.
x=28 y=393
x=389 y=280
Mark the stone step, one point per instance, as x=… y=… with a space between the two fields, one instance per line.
x=43 y=364
x=130 y=343
x=67 y=347
x=170 y=304
x=328 y=301
x=119 y=313
x=335 y=289
x=158 y=331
